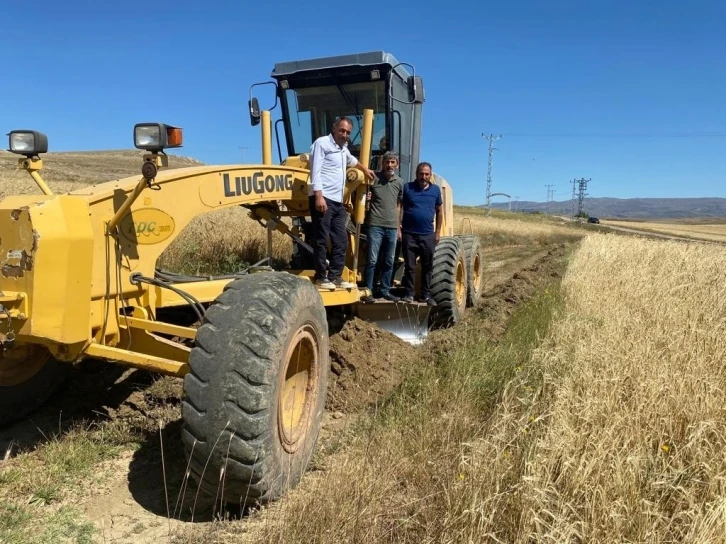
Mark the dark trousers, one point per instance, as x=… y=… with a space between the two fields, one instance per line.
x=330 y=224
x=423 y=247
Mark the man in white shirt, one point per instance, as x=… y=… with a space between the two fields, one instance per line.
x=329 y=160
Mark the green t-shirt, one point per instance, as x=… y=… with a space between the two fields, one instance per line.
x=385 y=194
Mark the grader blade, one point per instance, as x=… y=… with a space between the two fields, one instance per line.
x=408 y=321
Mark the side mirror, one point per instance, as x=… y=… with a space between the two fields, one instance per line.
x=254 y=106
x=415 y=90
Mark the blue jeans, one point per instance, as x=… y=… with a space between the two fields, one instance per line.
x=381 y=244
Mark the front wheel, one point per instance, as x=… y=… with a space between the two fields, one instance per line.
x=255 y=394
x=28 y=377
x=448 y=283
x=474 y=268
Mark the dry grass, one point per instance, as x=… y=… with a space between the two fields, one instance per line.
x=222 y=242
x=713 y=232
x=613 y=431
x=635 y=424
x=502 y=228
x=38 y=487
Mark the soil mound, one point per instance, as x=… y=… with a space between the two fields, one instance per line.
x=366 y=365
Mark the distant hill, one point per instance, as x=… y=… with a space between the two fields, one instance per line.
x=630 y=208
x=67 y=171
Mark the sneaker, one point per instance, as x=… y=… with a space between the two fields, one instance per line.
x=339 y=283
x=391 y=298
x=367 y=300
x=430 y=301
x=324 y=284
x=408 y=299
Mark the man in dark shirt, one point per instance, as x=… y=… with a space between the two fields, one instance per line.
x=420 y=202
x=383 y=226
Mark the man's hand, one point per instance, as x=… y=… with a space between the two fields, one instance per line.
x=370 y=173
x=369 y=195
x=437 y=237
x=399 y=233
x=320 y=203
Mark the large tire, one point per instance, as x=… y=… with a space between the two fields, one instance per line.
x=474 y=268
x=448 y=283
x=255 y=394
x=28 y=377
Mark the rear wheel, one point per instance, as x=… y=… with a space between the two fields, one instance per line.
x=448 y=283
x=28 y=377
x=474 y=268
x=255 y=395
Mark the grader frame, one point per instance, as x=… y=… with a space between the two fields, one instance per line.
x=78 y=279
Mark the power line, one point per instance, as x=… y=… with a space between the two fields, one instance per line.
x=492 y=149
x=550 y=196
x=582 y=186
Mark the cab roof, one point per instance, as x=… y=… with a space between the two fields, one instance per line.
x=372 y=59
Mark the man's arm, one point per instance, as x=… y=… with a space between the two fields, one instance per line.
x=399 y=210
x=439 y=213
x=355 y=163
x=316 y=165
x=439 y=221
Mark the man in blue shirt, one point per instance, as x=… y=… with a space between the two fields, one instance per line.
x=329 y=160
x=420 y=202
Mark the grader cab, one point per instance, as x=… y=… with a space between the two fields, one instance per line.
x=79 y=276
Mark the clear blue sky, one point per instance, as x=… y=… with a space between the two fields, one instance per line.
x=628 y=93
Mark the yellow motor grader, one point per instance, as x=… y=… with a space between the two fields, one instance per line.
x=79 y=275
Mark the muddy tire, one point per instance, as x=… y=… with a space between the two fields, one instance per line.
x=254 y=398
x=28 y=377
x=448 y=283
x=474 y=268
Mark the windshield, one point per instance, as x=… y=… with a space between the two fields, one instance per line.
x=311 y=113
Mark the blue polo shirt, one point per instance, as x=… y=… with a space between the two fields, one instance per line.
x=419 y=207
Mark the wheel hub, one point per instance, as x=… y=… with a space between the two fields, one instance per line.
x=299 y=392
x=476 y=270
x=460 y=283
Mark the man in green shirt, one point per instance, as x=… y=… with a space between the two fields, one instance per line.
x=384 y=228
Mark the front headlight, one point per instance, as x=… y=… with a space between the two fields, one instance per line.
x=156 y=136
x=27 y=142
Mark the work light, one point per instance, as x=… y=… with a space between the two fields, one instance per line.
x=156 y=137
x=27 y=142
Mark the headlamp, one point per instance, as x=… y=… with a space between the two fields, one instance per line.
x=27 y=142
x=156 y=137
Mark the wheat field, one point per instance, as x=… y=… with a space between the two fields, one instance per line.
x=630 y=426
x=713 y=232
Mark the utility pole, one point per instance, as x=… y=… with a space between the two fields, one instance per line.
x=492 y=149
x=582 y=186
x=550 y=194
x=574 y=196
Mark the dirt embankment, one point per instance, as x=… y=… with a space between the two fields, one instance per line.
x=366 y=364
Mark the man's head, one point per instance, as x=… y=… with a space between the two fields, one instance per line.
x=423 y=173
x=341 y=130
x=389 y=163
x=383 y=144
